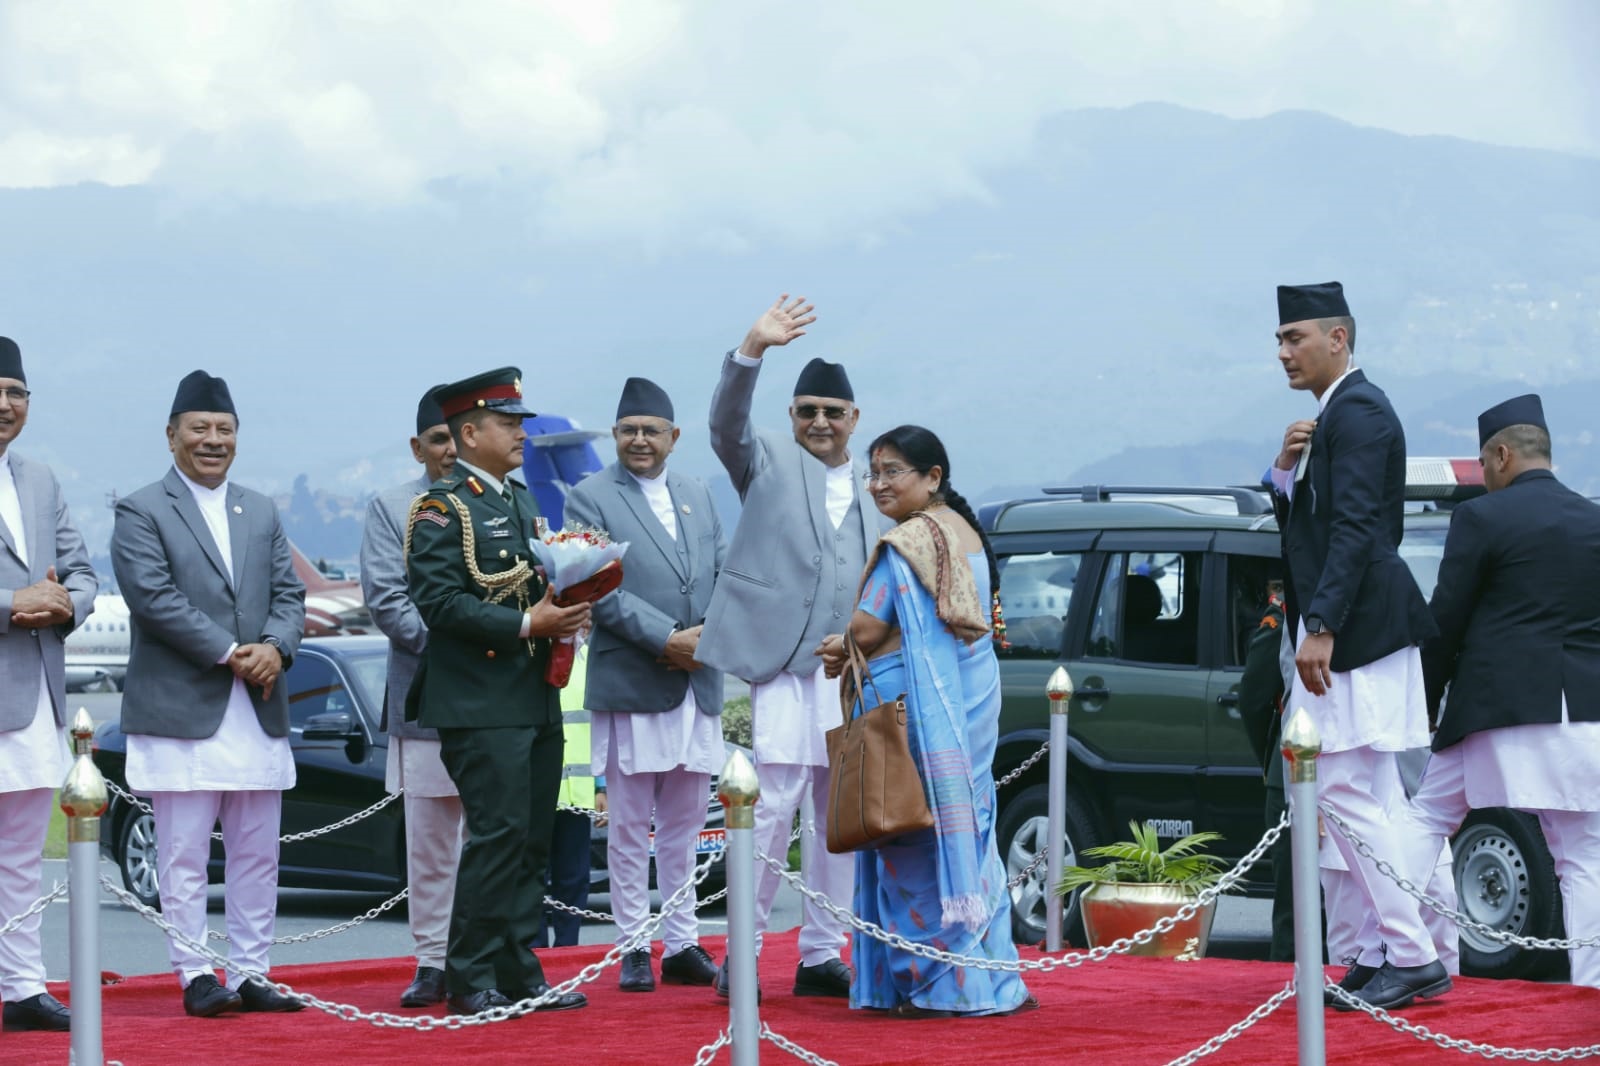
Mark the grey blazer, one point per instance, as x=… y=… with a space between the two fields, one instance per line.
x=184 y=614
x=661 y=591
x=52 y=541
x=388 y=596
x=756 y=619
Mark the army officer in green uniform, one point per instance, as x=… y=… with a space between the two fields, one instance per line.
x=481 y=685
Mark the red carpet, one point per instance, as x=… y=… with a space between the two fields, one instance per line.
x=1129 y=1011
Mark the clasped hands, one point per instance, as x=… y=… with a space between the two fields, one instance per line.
x=257 y=664
x=678 y=654
x=831 y=652
x=44 y=603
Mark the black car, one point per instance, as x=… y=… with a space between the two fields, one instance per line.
x=335 y=688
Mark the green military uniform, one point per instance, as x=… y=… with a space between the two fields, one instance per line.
x=1260 y=693
x=482 y=687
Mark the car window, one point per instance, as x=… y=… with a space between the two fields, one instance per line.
x=315 y=688
x=370 y=674
x=1035 y=594
x=1147 y=609
x=1422 y=549
x=1248 y=580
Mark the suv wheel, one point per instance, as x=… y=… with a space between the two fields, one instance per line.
x=1023 y=829
x=136 y=857
x=1505 y=879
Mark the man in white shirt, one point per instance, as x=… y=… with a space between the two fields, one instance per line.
x=46 y=591
x=215 y=613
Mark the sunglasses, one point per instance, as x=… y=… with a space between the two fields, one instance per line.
x=808 y=412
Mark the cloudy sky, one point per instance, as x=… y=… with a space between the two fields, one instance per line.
x=726 y=122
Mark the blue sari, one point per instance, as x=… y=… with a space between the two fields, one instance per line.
x=942 y=888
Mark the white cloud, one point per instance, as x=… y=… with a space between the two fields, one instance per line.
x=727 y=123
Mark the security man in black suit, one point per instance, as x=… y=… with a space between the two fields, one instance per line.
x=1355 y=613
x=1518 y=607
x=481 y=684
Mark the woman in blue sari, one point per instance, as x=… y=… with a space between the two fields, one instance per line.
x=921 y=622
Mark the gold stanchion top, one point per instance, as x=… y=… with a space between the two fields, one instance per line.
x=1301 y=741
x=83 y=794
x=737 y=785
x=82 y=730
x=1059 y=689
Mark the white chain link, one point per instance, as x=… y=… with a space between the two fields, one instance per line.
x=1023 y=766
x=1238 y=1027
x=1384 y=867
x=318 y=934
x=1488 y=1051
x=36 y=907
x=708 y=1054
x=290 y=838
x=794 y=1049
x=1032 y=867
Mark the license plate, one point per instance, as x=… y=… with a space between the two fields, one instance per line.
x=709 y=840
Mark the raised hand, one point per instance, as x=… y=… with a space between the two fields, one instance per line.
x=1295 y=439
x=779 y=324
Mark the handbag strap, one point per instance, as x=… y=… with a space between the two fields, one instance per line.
x=860 y=674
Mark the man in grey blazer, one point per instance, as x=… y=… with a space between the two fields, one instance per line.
x=216 y=613
x=791 y=579
x=432 y=804
x=46 y=591
x=657 y=727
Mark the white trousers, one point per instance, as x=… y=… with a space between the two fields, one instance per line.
x=1357 y=785
x=675 y=802
x=786 y=789
x=433 y=851
x=1439 y=808
x=250 y=821
x=24 y=818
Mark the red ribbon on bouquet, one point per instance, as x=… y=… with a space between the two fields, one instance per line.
x=563 y=652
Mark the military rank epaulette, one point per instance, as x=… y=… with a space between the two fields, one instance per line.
x=426 y=509
x=474 y=486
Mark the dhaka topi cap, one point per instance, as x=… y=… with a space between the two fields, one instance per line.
x=1297 y=303
x=11 y=360
x=199 y=391
x=429 y=414
x=824 y=379
x=493 y=390
x=1517 y=411
x=641 y=396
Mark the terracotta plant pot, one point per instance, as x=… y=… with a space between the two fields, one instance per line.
x=1117 y=910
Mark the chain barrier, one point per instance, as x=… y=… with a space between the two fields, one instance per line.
x=1029 y=870
x=288 y=838
x=36 y=907
x=1286 y=994
x=1386 y=868
x=318 y=934
x=708 y=1054
x=1023 y=766
x=1488 y=1051
x=1049 y=962
x=792 y=1048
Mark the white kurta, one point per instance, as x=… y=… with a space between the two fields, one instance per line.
x=655 y=743
x=239 y=755
x=1549 y=766
x=34 y=756
x=1381 y=705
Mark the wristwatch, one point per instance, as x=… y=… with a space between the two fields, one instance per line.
x=277 y=645
x=1314 y=626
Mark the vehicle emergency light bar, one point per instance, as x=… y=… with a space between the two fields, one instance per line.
x=1452 y=480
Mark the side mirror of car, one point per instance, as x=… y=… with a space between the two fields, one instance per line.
x=334 y=725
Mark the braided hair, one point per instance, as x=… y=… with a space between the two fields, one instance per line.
x=923 y=451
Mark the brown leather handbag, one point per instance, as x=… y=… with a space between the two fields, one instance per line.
x=875 y=791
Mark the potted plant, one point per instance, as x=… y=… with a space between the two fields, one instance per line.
x=1139 y=884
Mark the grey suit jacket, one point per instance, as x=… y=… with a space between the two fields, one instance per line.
x=185 y=614
x=660 y=591
x=52 y=541
x=388 y=596
x=757 y=615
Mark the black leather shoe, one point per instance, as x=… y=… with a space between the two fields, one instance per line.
x=565 y=1001
x=425 y=989
x=264 y=999
x=721 y=984
x=478 y=1002
x=636 y=975
x=206 y=998
x=1393 y=987
x=830 y=978
x=43 y=1011
x=1353 y=980
x=691 y=966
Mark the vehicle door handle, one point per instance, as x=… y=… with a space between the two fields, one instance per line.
x=1228 y=699
x=1092 y=693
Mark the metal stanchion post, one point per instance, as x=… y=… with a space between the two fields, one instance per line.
x=1302 y=744
x=738 y=788
x=83 y=798
x=1059 y=689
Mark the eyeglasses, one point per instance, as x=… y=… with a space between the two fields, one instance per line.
x=625 y=431
x=887 y=474
x=17 y=395
x=808 y=412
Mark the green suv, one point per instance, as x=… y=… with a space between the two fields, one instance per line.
x=1149 y=598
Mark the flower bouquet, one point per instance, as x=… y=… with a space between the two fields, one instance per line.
x=581 y=565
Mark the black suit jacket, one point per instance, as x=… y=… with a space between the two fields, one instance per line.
x=1342 y=530
x=1518 y=607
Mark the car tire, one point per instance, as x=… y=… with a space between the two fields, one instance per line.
x=1506 y=879
x=1023 y=827
x=136 y=857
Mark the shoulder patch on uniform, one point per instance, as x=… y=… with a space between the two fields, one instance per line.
x=1270 y=622
x=427 y=509
x=431 y=516
x=426 y=504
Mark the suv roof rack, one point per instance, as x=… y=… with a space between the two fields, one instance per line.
x=1250 y=501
